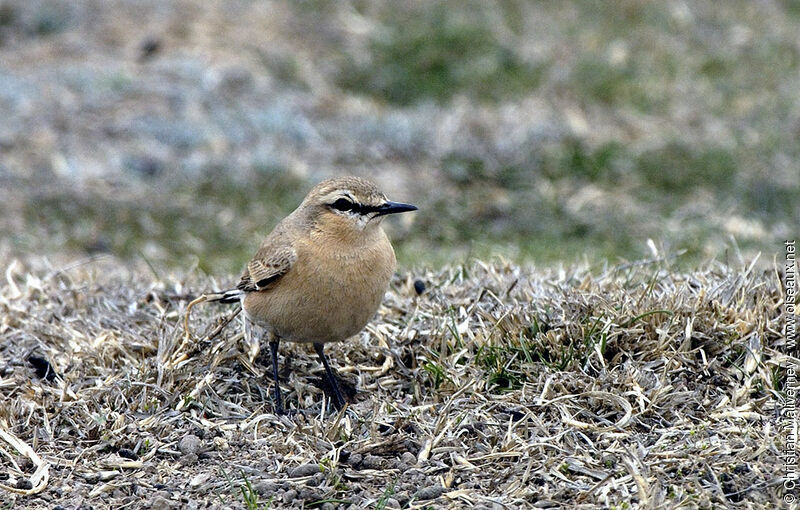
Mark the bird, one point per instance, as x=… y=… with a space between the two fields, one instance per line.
x=322 y=272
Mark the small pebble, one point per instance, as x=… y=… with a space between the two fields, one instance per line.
x=24 y=484
x=408 y=458
x=310 y=494
x=402 y=497
x=201 y=479
x=426 y=493
x=24 y=463
x=304 y=470
x=189 y=459
x=419 y=287
x=355 y=459
x=392 y=503
x=372 y=462
x=328 y=506
x=289 y=496
x=265 y=488
x=189 y=444
x=220 y=443
x=127 y=453
x=161 y=503
x=315 y=480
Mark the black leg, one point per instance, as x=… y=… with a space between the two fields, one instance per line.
x=273 y=347
x=331 y=378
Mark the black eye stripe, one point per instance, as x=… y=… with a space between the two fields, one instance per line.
x=343 y=204
x=364 y=209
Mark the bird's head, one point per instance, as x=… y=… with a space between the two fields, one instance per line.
x=350 y=204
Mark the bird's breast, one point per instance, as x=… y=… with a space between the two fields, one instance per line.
x=329 y=294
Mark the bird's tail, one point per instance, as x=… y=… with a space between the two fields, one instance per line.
x=226 y=297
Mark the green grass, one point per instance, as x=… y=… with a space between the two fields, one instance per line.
x=214 y=220
x=249 y=495
x=522 y=210
x=245 y=491
x=574 y=158
x=596 y=80
x=436 y=374
x=429 y=53
x=678 y=168
x=383 y=500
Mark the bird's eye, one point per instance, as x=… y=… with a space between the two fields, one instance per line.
x=342 y=204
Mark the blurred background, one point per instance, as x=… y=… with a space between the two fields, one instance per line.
x=179 y=132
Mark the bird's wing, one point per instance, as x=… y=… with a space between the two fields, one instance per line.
x=269 y=264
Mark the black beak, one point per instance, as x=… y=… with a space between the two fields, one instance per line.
x=394 y=207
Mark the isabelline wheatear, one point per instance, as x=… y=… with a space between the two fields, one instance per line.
x=321 y=274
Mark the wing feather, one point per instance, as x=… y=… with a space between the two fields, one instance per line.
x=266 y=268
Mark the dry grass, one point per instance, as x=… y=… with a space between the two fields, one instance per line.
x=499 y=387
